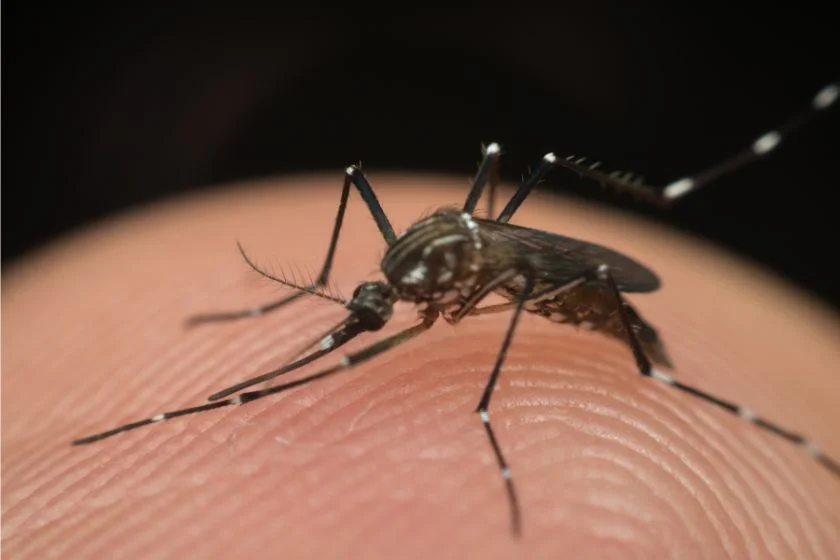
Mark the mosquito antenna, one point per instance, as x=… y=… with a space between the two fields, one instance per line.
x=316 y=288
x=286 y=282
x=352 y=176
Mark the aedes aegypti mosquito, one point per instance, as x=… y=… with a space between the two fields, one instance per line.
x=448 y=262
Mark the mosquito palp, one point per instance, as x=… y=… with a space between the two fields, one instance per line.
x=447 y=263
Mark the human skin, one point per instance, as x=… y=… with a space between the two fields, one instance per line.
x=388 y=459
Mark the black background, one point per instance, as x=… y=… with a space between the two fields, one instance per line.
x=112 y=106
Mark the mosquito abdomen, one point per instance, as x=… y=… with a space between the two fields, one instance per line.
x=595 y=308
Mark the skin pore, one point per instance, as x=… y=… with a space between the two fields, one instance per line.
x=388 y=459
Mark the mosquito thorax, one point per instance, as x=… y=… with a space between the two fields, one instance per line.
x=373 y=304
x=436 y=260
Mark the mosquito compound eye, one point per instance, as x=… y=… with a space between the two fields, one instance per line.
x=372 y=305
x=359 y=289
x=371 y=317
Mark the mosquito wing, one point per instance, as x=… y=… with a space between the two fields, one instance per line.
x=560 y=259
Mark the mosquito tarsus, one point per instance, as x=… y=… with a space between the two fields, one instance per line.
x=448 y=263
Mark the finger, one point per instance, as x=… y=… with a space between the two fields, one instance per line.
x=389 y=458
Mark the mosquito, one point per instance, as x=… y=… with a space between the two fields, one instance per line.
x=448 y=263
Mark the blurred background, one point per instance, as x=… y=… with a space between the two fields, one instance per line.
x=123 y=104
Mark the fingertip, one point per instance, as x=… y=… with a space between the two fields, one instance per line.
x=390 y=456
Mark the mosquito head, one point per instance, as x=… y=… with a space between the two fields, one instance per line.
x=372 y=304
x=435 y=259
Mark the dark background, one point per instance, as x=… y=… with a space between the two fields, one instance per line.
x=113 y=106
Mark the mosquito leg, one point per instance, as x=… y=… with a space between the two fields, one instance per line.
x=353 y=176
x=349 y=360
x=760 y=148
x=346 y=362
x=500 y=307
x=341 y=335
x=490 y=309
x=645 y=368
x=491 y=194
x=627 y=182
x=469 y=307
x=525 y=297
x=484 y=404
x=545 y=165
x=488 y=172
x=482 y=292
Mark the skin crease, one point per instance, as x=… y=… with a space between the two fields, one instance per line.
x=389 y=459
